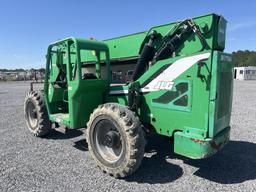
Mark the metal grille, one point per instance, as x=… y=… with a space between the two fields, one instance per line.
x=224 y=93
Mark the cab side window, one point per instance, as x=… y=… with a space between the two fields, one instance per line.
x=93 y=64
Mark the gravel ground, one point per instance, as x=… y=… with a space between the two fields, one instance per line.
x=61 y=162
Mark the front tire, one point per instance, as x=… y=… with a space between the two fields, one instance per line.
x=115 y=139
x=36 y=115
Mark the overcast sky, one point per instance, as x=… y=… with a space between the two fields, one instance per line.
x=28 y=26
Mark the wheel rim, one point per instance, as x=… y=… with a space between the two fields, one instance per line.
x=108 y=141
x=31 y=114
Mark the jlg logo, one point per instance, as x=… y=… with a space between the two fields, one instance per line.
x=163 y=85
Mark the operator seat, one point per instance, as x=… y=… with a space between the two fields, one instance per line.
x=89 y=76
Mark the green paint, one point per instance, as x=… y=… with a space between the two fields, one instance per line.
x=195 y=111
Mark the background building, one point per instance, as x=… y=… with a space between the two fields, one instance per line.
x=245 y=73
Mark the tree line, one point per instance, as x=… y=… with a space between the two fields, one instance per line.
x=244 y=58
x=41 y=70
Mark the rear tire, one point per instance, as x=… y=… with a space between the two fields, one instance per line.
x=115 y=139
x=36 y=115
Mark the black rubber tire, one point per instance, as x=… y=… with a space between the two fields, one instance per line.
x=42 y=123
x=132 y=134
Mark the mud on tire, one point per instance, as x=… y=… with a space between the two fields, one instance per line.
x=115 y=139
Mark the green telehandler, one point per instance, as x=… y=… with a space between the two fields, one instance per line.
x=173 y=80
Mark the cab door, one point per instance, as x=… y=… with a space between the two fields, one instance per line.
x=88 y=81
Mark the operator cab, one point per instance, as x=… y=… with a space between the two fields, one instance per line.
x=77 y=76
